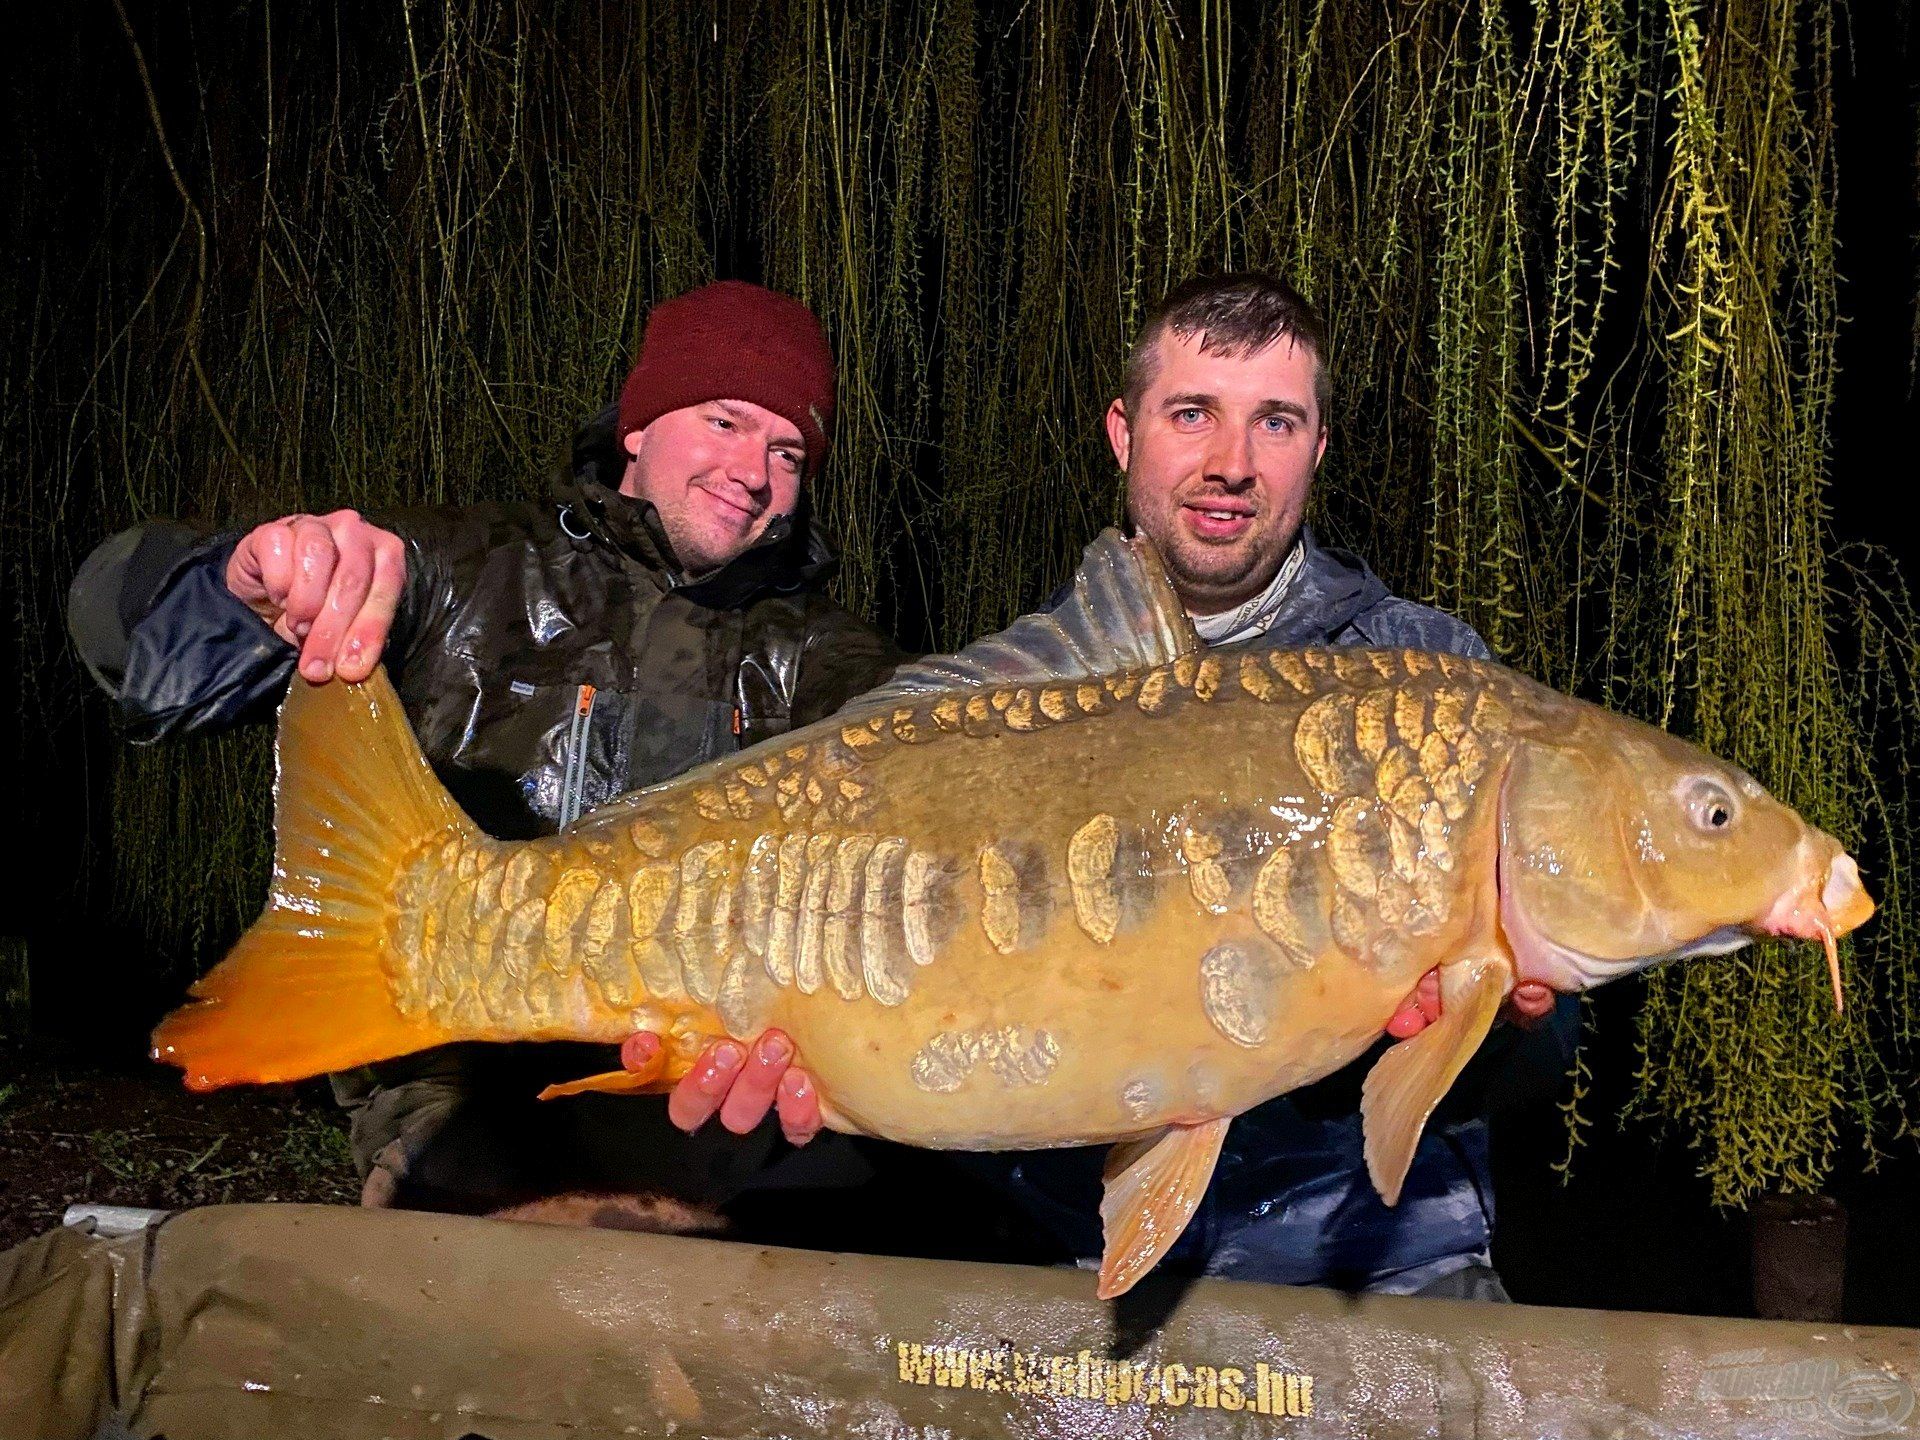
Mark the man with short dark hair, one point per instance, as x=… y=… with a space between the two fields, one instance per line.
x=1220 y=427
x=664 y=608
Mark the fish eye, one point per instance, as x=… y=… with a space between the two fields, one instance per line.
x=1710 y=805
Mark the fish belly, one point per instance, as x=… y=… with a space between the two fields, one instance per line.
x=1078 y=1045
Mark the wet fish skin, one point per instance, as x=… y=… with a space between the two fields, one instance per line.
x=1118 y=907
x=1019 y=968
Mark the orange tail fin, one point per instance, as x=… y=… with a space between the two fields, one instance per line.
x=305 y=990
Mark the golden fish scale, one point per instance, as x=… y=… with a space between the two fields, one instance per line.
x=1007 y=908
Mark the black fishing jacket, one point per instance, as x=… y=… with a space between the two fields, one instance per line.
x=550 y=655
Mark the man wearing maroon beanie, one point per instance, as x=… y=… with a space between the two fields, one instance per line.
x=665 y=607
x=727 y=410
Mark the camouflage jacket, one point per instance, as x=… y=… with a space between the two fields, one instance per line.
x=549 y=654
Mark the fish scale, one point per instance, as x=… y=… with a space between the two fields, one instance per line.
x=797 y=901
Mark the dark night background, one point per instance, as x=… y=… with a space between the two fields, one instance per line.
x=1633 y=1229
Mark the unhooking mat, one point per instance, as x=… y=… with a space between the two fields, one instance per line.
x=287 y=1321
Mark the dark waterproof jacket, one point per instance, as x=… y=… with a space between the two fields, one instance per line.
x=550 y=656
x=1290 y=1201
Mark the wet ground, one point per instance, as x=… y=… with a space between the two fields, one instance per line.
x=73 y=1130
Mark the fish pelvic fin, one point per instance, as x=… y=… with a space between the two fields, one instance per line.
x=607 y=1082
x=1408 y=1081
x=1153 y=1187
x=306 y=989
x=649 y=1079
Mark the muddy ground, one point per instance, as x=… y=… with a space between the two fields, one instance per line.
x=73 y=1130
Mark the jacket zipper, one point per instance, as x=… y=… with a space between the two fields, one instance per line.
x=575 y=781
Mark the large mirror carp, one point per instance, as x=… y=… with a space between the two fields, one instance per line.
x=1089 y=881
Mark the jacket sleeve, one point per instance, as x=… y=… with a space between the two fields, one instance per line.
x=842 y=657
x=151 y=616
x=154 y=622
x=1407 y=625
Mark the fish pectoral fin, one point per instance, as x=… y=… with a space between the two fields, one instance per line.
x=1152 y=1189
x=1408 y=1081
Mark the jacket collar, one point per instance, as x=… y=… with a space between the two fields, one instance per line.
x=1332 y=588
x=791 y=554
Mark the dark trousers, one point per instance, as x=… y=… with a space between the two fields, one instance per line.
x=459 y=1128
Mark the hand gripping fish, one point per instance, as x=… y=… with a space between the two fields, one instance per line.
x=1086 y=882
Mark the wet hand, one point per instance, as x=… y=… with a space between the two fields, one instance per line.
x=1418 y=1010
x=1529 y=1004
x=740 y=1085
x=327 y=584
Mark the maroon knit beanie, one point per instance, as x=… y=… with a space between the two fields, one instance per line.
x=734 y=341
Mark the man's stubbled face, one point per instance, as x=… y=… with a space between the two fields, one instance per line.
x=718 y=473
x=1219 y=455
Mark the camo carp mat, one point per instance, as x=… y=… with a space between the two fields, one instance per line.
x=305 y=1321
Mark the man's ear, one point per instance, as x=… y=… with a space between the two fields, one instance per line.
x=1120 y=432
x=1320 y=450
x=632 y=443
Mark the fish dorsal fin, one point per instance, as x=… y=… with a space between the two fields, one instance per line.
x=1153 y=1187
x=1121 y=614
x=1408 y=1081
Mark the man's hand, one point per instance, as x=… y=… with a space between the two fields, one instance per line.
x=327 y=584
x=740 y=1085
x=1529 y=1004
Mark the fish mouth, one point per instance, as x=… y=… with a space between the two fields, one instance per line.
x=1823 y=908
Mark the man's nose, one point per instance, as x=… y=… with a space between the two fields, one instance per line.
x=1230 y=462
x=747 y=464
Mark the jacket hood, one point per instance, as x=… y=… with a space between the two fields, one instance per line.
x=1334 y=588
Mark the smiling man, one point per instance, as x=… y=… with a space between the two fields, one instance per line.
x=664 y=608
x=1218 y=452
x=1220 y=427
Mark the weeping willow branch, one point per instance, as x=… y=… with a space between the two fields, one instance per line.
x=190 y=337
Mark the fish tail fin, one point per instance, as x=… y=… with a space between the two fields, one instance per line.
x=306 y=988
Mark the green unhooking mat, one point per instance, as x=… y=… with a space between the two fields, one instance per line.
x=294 y=1321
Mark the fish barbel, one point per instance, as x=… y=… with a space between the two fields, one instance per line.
x=1087 y=882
